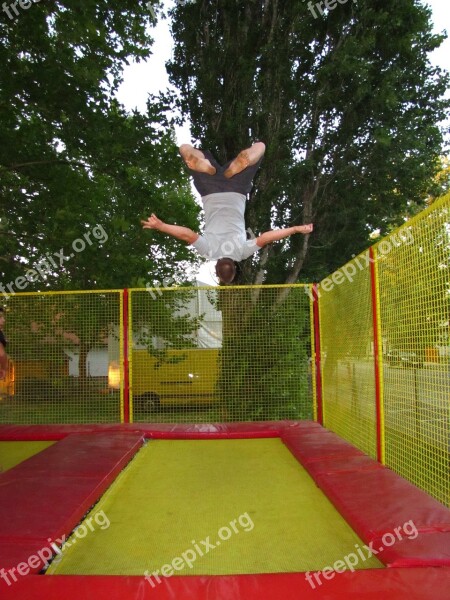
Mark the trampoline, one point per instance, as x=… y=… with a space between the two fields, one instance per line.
x=175 y=493
x=265 y=508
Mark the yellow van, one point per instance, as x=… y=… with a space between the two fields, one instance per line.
x=180 y=377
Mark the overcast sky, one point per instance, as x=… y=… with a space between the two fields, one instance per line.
x=151 y=77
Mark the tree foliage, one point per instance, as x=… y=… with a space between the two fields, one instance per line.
x=348 y=105
x=72 y=158
x=441 y=180
x=347 y=102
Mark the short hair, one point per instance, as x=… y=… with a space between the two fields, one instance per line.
x=226 y=270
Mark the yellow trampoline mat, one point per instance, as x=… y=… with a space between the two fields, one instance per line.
x=13 y=453
x=250 y=499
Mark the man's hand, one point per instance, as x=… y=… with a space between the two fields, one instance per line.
x=304 y=228
x=2 y=374
x=152 y=223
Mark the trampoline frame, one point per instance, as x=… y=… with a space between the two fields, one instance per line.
x=346 y=476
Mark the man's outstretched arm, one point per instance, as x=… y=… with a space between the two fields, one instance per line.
x=181 y=233
x=278 y=234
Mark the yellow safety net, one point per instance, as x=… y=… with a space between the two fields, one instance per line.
x=194 y=355
x=61 y=348
x=247 y=353
x=401 y=292
x=414 y=298
x=347 y=354
x=221 y=354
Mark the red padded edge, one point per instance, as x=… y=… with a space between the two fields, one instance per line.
x=374 y=500
x=427 y=549
x=74 y=456
x=318 y=446
x=47 y=495
x=377 y=501
x=371 y=584
x=339 y=465
x=156 y=430
x=13 y=553
x=292 y=426
x=45 y=506
x=160 y=430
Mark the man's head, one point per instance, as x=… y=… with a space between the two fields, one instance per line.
x=2 y=316
x=226 y=270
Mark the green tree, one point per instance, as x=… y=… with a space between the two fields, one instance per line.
x=348 y=105
x=72 y=158
x=441 y=180
x=347 y=102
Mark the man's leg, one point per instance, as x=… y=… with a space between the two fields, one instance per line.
x=196 y=160
x=246 y=158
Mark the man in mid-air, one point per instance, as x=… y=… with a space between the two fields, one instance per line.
x=224 y=192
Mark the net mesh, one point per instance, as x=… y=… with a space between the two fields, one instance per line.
x=411 y=291
x=247 y=353
x=414 y=287
x=221 y=354
x=348 y=381
x=62 y=347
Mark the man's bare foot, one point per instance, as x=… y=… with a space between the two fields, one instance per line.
x=201 y=165
x=196 y=160
x=240 y=163
x=244 y=159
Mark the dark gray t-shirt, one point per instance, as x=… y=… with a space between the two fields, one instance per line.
x=224 y=234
